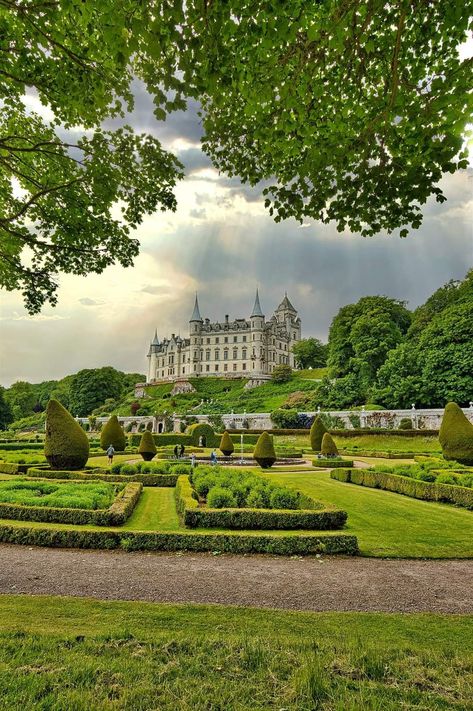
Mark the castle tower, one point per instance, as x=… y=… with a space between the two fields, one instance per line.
x=153 y=358
x=195 y=331
x=257 y=337
x=286 y=314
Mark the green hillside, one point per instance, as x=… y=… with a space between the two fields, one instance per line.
x=222 y=395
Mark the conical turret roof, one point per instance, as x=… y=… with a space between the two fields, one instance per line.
x=257 y=307
x=196 y=312
x=155 y=341
x=286 y=304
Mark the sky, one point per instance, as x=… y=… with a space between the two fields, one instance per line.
x=222 y=244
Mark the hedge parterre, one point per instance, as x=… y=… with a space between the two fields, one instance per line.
x=194 y=516
x=445 y=493
x=116 y=515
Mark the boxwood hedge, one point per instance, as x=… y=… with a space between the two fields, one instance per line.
x=145 y=479
x=428 y=491
x=332 y=463
x=115 y=515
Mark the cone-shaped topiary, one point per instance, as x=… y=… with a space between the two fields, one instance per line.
x=113 y=434
x=329 y=448
x=317 y=432
x=264 y=452
x=66 y=445
x=147 y=447
x=226 y=444
x=456 y=435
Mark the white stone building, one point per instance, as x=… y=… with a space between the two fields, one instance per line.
x=242 y=348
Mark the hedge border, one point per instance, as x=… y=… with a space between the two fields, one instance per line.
x=117 y=513
x=192 y=516
x=381 y=455
x=415 y=488
x=145 y=479
x=332 y=463
x=330 y=544
x=340 y=433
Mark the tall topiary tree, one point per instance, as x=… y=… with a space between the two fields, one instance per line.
x=329 y=448
x=264 y=452
x=113 y=434
x=226 y=445
x=66 y=445
x=317 y=432
x=147 y=447
x=456 y=435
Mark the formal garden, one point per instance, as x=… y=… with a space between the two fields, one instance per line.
x=282 y=493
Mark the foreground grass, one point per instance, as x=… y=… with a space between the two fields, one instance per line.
x=59 y=653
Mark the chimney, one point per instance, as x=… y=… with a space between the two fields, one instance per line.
x=226 y=318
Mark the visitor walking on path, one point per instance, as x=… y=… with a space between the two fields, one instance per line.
x=213 y=457
x=176 y=451
x=110 y=453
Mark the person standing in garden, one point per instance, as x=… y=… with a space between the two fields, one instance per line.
x=110 y=453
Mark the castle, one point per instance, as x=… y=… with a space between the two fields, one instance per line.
x=243 y=348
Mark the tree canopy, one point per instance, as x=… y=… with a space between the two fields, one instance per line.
x=310 y=353
x=350 y=110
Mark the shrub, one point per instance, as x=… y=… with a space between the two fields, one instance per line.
x=264 y=452
x=456 y=435
x=285 y=419
x=405 y=424
x=283 y=499
x=281 y=373
x=147 y=447
x=134 y=407
x=226 y=445
x=317 y=432
x=331 y=463
x=329 y=448
x=220 y=498
x=113 y=434
x=66 y=445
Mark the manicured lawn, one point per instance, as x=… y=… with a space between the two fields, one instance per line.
x=102 y=460
x=376 y=443
x=155 y=511
x=60 y=653
x=391 y=525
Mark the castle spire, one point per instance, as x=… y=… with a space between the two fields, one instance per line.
x=196 y=313
x=155 y=341
x=257 y=307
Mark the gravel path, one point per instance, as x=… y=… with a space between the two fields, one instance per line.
x=356 y=584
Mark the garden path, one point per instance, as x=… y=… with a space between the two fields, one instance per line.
x=318 y=584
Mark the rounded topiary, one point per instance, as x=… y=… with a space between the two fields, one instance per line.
x=329 y=448
x=405 y=424
x=204 y=430
x=264 y=452
x=456 y=435
x=66 y=445
x=147 y=447
x=317 y=432
x=226 y=445
x=113 y=434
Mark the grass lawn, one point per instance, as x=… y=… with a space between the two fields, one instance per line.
x=155 y=511
x=377 y=443
x=60 y=653
x=388 y=524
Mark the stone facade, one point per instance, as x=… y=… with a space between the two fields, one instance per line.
x=242 y=348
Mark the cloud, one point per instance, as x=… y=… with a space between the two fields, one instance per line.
x=85 y=301
x=154 y=290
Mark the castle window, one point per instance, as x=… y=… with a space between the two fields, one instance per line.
x=225 y=367
x=244 y=339
x=243 y=353
x=216 y=366
x=235 y=353
x=225 y=354
x=235 y=339
x=207 y=368
x=217 y=340
x=208 y=340
x=183 y=371
x=207 y=355
x=225 y=339
x=243 y=367
x=234 y=366
x=217 y=354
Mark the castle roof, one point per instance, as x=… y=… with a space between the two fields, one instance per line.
x=257 y=307
x=286 y=304
x=155 y=341
x=196 y=313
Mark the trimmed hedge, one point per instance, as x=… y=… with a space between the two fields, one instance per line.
x=381 y=455
x=161 y=440
x=115 y=515
x=15 y=446
x=145 y=479
x=417 y=489
x=202 y=429
x=303 y=544
x=193 y=516
x=113 y=434
x=332 y=463
x=389 y=433
x=9 y=468
x=456 y=435
x=65 y=444
x=264 y=452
